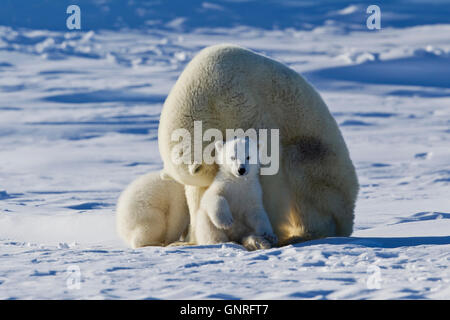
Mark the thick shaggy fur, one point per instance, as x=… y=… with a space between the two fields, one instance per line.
x=152 y=212
x=225 y=86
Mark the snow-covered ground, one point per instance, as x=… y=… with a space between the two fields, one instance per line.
x=79 y=114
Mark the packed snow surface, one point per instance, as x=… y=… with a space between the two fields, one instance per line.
x=79 y=112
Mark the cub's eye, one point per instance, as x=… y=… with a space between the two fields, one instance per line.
x=233 y=158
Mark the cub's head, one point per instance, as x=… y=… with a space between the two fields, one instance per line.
x=238 y=156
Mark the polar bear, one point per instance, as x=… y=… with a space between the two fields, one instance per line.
x=152 y=211
x=225 y=86
x=232 y=209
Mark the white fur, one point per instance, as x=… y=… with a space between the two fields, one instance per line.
x=152 y=211
x=232 y=209
x=227 y=87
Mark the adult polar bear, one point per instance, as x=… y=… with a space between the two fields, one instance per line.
x=228 y=87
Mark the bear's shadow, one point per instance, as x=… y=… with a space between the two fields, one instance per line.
x=379 y=242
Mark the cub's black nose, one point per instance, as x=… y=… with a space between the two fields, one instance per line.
x=241 y=171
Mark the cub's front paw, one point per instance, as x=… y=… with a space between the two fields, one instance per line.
x=223 y=221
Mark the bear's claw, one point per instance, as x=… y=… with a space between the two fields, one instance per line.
x=256 y=243
x=271 y=237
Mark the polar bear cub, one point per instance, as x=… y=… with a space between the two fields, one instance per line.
x=231 y=209
x=152 y=211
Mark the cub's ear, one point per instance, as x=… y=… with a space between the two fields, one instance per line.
x=164 y=175
x=194 y=168
x=218 y=145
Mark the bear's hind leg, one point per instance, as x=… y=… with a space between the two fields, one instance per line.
x=323 y=189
